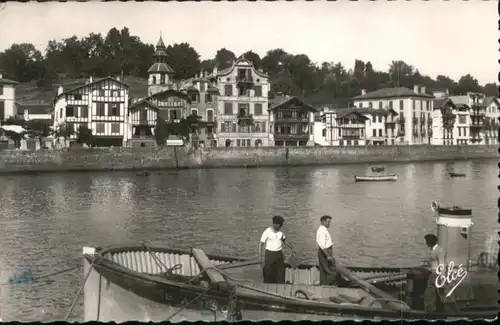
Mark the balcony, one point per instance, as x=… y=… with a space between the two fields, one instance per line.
x=477 y=113
x=299 y=136
x=291 y=119
x=477 y=125
x=352 y=137
x=244 y=80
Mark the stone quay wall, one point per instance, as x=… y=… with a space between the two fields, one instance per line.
x=85 y=159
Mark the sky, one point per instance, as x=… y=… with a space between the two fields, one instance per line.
x=452 y=38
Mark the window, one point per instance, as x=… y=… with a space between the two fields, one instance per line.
x=99 y=128
x=228 y=108
x=202 y=86
x=194 y=111
x=115 y=128
x=370 y=105
x=102 y=92
x=243 y=109
x=174 y=114
x=116 y=93
x=258 y=91
x=257 y=109
x=210 y=115
x=401 y=106
x=413 y=104
x=361 y=105
x=249 y=143
x=238 y=142
x=162 y=79
x=461 y=119
x=77 y=96
x=208 y=98
x=2 y=110
x=228 y=90
x=379 y=105
x=226 y=126
x=1 y=89
x=390 y=105
x=323 y=133
x=374 y=118
x=380 y=119
x=154 y=80
x=380 y=132
x=71 y=111
x=100 y=109
x=143 y=115
x=194 y=98
x=374 y=132
x=84 y=111
x=114 y=109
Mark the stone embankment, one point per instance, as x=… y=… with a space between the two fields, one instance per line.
x=180 y=158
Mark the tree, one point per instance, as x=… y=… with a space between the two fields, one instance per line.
x=224 y=58
x=208 y=65
x=466 y=84
x=491 y=89
x=254 y=58
x=38 y=129
x=400 y=74
x=85 y=135
x=21 y=62
x=161 y=131
x=184 y=60
x=63 y=131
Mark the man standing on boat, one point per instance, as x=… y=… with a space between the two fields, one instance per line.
x=432 y=295
x=273 y=264
x=327 y=273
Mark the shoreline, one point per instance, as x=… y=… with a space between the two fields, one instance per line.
x=181 y=158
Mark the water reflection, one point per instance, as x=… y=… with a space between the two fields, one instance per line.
x=46 y=219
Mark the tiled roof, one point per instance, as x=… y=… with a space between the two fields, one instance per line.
x=391 y=92
x=488 y=100
x=438 y=103
x=460 y=100
x=280 y=100
x=161 y=67
x=142 y=102
x=93 y=83
x=373 y=111
x=343 y=112
x=8 y=81
x=213 y=90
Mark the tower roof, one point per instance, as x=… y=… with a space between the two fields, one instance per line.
x=160 y=45
x=161 y=67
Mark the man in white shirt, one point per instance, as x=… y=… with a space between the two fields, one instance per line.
x=273 y=264
x=327 y=273
x=434 y=297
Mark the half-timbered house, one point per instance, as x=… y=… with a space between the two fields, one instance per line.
x=443 y=122
x=291 y=122
x=142 y=119
x=342 y=127
x=100 y=105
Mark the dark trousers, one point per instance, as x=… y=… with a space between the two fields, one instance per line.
x=434 y=298
x=274 y=267
x=327 y=273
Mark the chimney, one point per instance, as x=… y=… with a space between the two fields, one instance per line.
x=363 y=91
x=206 y=74
x=422 y=89
x=60 y=90
x=202 y=73
x=215 y=71
x=415 y=89
x=90 y=79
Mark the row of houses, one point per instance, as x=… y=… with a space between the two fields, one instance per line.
x=234 y=110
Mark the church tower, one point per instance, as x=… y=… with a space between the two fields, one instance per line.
x=160 y=73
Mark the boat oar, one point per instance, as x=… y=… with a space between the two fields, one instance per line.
x=238 y=264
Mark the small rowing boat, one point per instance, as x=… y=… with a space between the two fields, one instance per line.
x=145 y=283
x=376 y=178
x=378 y=169
x=457 y=174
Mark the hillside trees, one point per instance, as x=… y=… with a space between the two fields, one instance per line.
x=119 y=52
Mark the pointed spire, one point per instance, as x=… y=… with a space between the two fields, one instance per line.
x=160 y=44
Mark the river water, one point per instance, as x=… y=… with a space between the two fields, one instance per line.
x=46 y=219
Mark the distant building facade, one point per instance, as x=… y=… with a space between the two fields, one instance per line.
x=203 y=95
x=242 y=108
x=7 y=98
x=413 y=107
x=291 y=122
x=100 y=105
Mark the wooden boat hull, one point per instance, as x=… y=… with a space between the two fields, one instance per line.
x=376 y=178
x=115 y=292
x=378 y=169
